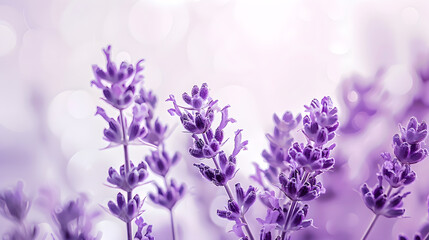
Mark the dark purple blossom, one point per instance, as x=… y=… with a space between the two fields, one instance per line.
x=130 y=180
x=312 y=158
x=407 y=146
x=126 y=211
x=169 y=197
x=322 y=121
x=300 y=186
x=396 y=173
x=381 y=202
x=416 y=237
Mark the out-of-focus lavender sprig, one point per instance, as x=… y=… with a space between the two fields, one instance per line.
x=120 y=86
x=277 y=155
x=408 y=149
x=160 y=161
x=14 y=206
x=305 y=163
x=75 y=222
x=197 y=118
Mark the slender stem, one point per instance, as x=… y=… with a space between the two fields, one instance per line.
x=171 y=212
x=127 y=169
x=231 y=197
x=289 y=215
x=374 y=219
x=371 y=225
x=172 y=224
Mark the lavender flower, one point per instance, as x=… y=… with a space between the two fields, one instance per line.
x=128 y=181
x=381 y=202
x=397 y=172
x=322 y=121
x=311 y=158
x=197 y=118
x=119 y=86
x=160 y=162
x=169 y=197
x=117 y=83
x=298 y=188
x=126 y=211
x=407 y=147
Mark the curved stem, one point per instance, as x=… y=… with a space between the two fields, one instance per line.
x=231 y=197
x=127 y=169
x=371 y=225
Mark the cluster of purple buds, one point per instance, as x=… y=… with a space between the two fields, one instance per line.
x=322 y=121
x=227 y=165
x=299 y=187
x=383 y=203
x=407 y=146
x=310 y=158
x=118 y=83
x=279 y=218
x=140 y=226
x=169 y=197
x=14 y=206
x=160 y=162
x=126 y=211
x=128 y=181
x=396 y=173
x=235 y=210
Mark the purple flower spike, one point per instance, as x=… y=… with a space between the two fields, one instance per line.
x=299 y=189
x=128 y=181
x=168 y=198
x=126 y=211
x=408 y=146
x=160 y=162
x=322 y=121
x=396 y=173
x=118 y=83
x=214 y=175
x=139 y=233
x=14 y=205
x=311 y=158
x=382 y=203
